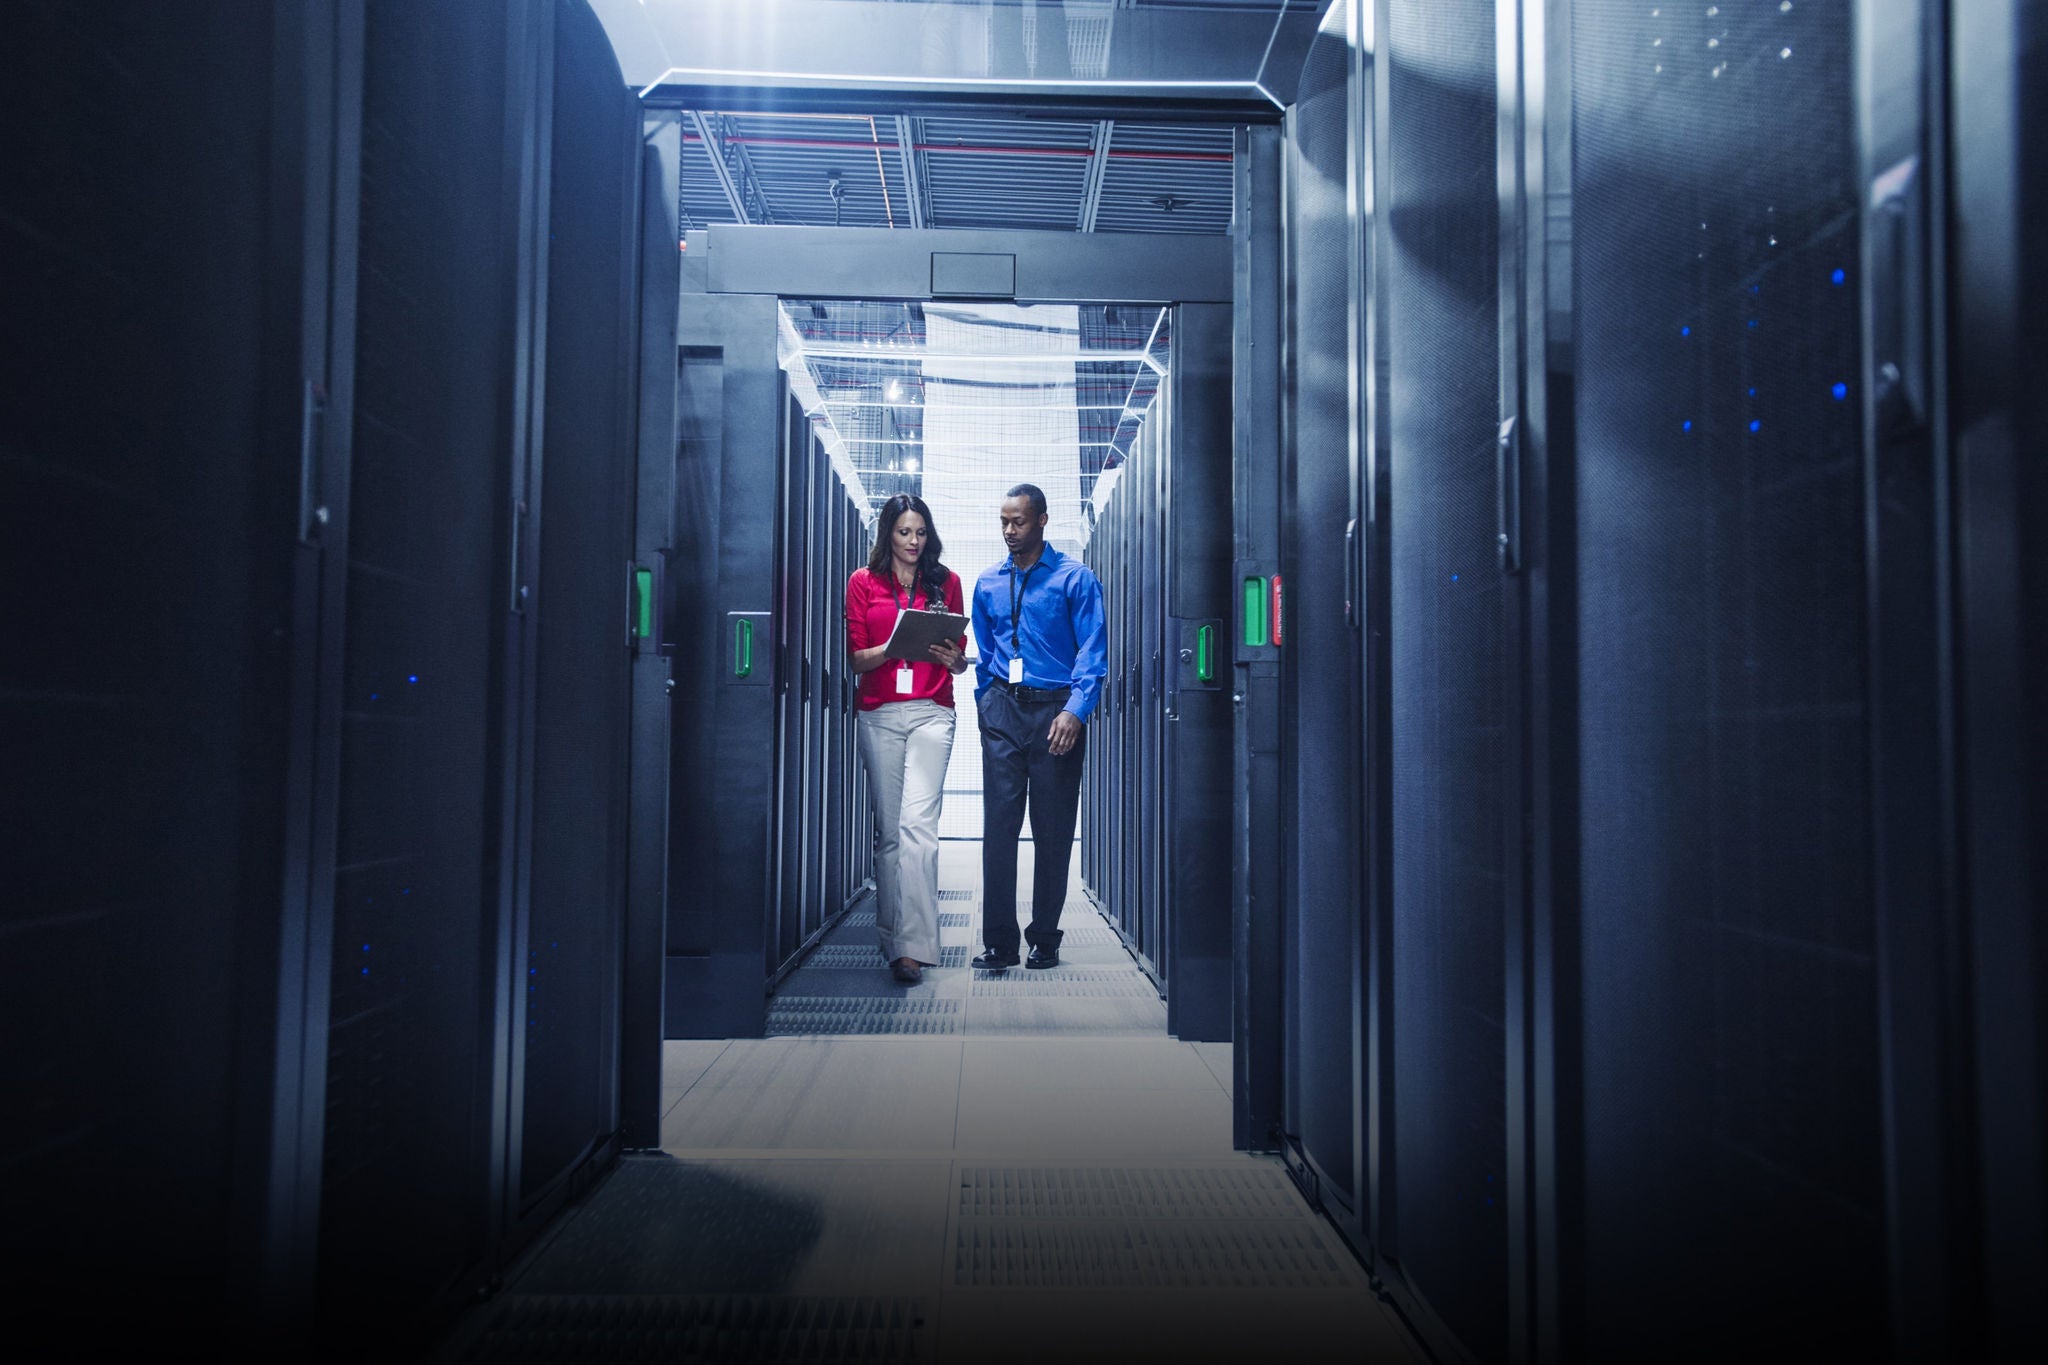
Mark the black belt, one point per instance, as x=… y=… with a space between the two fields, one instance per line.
x=1032 y=696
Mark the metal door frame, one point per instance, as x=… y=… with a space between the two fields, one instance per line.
x=724 y=266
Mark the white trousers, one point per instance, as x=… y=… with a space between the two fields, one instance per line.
x=906 y=745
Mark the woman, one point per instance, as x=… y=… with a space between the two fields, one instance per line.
x=906 y=726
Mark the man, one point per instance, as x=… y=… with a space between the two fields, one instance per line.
x=1044 y=653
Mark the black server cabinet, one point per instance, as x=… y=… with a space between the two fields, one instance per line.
x=726 y=598
x=478 y=856
x=171 y=173
x=821 y=538
x=1450 y=700
x=1155 y=842
x=1728 y=939
x=427 y=732
x=1320 y=766
x=569 y=929
x=766 y=821
x=1194 y=896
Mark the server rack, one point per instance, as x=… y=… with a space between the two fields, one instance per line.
x=769 y=838
x=1659 y=1002
x=386 y=520
x=1320 y=654
x=816 y=837
x=1154 y=823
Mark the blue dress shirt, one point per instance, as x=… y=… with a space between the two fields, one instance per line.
x=1060 y=628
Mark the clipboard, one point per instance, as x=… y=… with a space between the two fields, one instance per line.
x=917 y=631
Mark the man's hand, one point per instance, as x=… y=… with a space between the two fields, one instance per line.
x=1066 y=728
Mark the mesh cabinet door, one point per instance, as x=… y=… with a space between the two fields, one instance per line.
x=576 y=872
x=1319 y=772
x=1730 y=1009
x=416 y=887
x=1448 y=702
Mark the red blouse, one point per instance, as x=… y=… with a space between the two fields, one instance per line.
x=871 y=607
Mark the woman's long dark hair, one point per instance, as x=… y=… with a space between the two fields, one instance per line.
x=928 y=566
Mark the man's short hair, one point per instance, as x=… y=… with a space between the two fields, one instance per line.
x=1033 y=492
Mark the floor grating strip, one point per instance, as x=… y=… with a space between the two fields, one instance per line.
x=796 y=1015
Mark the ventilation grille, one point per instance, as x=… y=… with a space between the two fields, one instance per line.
x=1237 y=1228
x=840 y=956
x=793 y=1015
x=1064 y=981
x=750 y=1327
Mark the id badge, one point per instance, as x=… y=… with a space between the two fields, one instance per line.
x=1016 y=672
x=903 y=681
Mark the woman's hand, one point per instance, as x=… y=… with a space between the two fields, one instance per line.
x=951 y=655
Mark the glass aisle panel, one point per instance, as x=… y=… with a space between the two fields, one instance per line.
x=1730 y=996
x=1448 y=660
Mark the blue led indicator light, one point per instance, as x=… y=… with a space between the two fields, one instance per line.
x=373 y=696
x=366 y=971
x=1752 y=393
x=1840 y=391
x=1454 y=578
x=1755 y=425
x=1752 y=322
x=1685 y=331
x=1688 y=424
x=366 y=947
x=1839 y=275
x=414 y=677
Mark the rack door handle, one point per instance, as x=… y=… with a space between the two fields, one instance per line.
x=1507 y=496
x=743 y=648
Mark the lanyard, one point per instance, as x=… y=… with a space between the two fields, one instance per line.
x=1017 y=585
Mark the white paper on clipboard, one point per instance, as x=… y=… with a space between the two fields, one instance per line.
x=917 y=631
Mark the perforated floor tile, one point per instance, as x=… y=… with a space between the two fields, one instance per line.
x=955 y=919
x=838 y=955
x=1236 y=1192
x=732 y=1327
x=1066 y=983
x=795 y=1014
x=1026 y=1255
x=1227 y=1227
x=956 y=895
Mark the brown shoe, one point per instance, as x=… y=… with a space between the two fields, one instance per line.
x=907 y=969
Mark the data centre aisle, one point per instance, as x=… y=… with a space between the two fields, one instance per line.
x=993 y=1167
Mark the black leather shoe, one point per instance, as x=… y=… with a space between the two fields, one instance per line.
x=1042 y=956
x=907 y=970
x=993 y=961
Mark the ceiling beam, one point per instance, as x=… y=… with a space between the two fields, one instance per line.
x=913 y=186
x=1098 y=168
x=862 y=56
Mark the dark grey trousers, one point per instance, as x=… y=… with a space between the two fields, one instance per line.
x=1020 y=772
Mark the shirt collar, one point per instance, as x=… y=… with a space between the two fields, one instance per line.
x=1048 y=558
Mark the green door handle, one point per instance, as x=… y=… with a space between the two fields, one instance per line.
x=1255 y=612
x=643 y=588
x=1205 y=654
x=742 y=648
